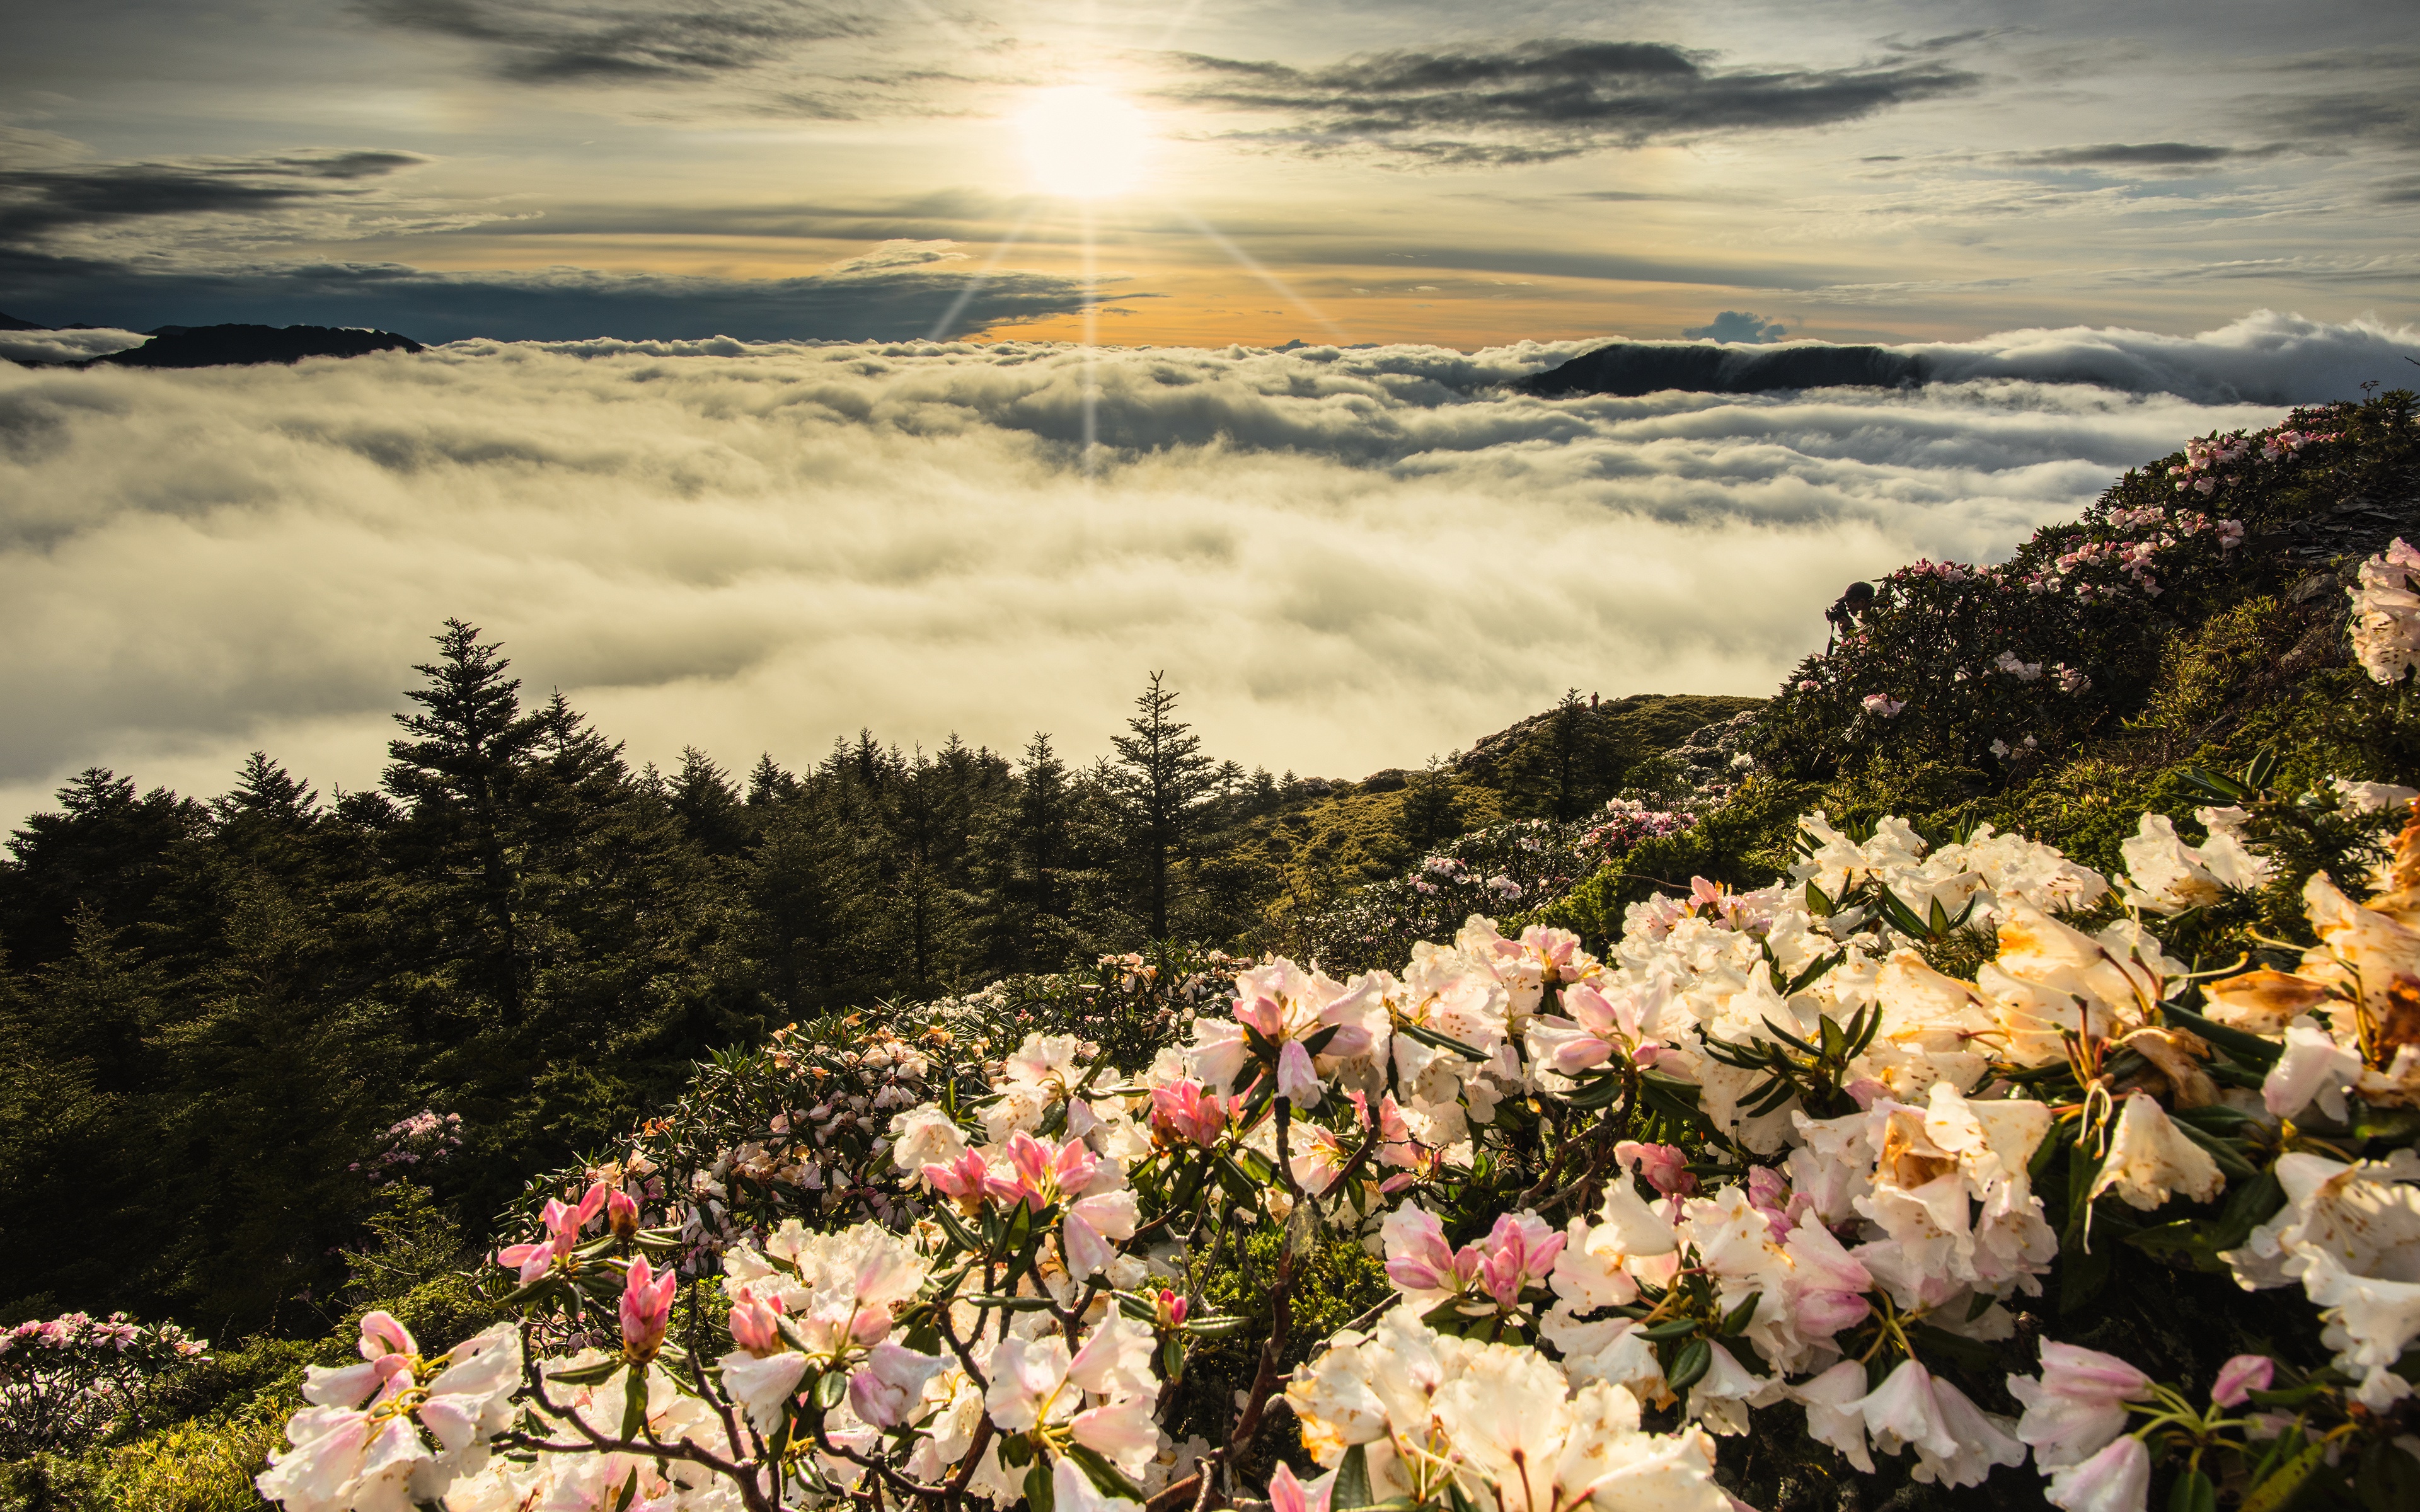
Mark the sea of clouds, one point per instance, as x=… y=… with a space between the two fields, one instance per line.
x=1346 y=559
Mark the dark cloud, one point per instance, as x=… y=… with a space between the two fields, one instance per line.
x=1534 y=102
x=890 y=294
x=36 y=200
x=2344 y=115
x=554 y=41
x=2140 y=154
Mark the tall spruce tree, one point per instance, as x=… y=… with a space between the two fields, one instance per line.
x=456 y=772
x=1162 y=778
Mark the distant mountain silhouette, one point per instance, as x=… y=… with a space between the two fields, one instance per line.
x=9 y=322
x=1628 y=369
x=230 y=346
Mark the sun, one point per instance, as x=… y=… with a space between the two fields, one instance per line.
x=1084 y=141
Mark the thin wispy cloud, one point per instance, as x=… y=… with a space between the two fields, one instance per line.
x=572 y=41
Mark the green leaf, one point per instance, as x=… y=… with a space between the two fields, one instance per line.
x=629 y=1492
x=2193 y=1492
x=1008 y=1304
x=2249 y=1048
x=947 y=1216
x=1690 y=1365
x=1107 y=1478
x=1594 y=1092
x=587 y=1375
x=634 y=1403
x=1676 y=1101
x=830 y=1388
x=1671 y=1328
x=1215 y=1328
x=1314 y=1043
x=1351 y=1489
x=1973 y=1354
x=1015 y=1451
x=2279 y=1488
x=2191 y=1242
x=1818 y=903
x=1438 y=1042
x=2389 y=1479
x=1737 y=1319
x=2224 y=1151
x=2263 y=767
x=1038 y=1495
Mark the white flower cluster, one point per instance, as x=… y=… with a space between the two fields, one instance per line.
x=2387 y=613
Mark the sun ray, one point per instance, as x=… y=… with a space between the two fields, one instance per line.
x=1252 y=265
x=1184 y=19
x=1092 y=348
x=975 y=282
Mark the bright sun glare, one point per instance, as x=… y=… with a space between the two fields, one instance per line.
x=1084 y=141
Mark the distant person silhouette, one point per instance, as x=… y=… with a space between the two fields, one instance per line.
x=1845 y=611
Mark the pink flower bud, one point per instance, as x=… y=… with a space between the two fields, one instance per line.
x=1664 y=1165
x=2240 y=1378
x=621 y=1214
x=755 y=1327
x=592 y=1204
x=646 y=1309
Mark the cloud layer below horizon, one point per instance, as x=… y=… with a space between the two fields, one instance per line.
x=1344 y=559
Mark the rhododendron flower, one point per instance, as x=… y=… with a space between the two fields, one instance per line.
x=646 y=1309
x=2313 y=1068
x=563 y=1222
x=965 y=1179
x=925 y=1136
x=1287 y=1494
x=342 y=1456
x=1955 y=1443
x=2078 y=1405
x=1596 y=1027
x=892 y=1383
x=2387 y=613
x=1038 y=1173
x=388 y=1355
x=2240 y=1378
x=1072 y=1491
x=1420 y=1261
x=1665 y=1166
x=1092 y=1222
x=1883 y=706
x=1183 y=1112
x=2117 y=1479
x=2150 y=1158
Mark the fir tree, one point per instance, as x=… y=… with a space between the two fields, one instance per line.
x=456 y=773
x=1161 y=779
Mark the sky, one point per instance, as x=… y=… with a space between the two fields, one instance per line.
x=948 y=368
x=1324 y=170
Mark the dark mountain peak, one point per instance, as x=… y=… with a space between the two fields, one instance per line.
x=9 y=322
x=228 y=346
x=1630 y=368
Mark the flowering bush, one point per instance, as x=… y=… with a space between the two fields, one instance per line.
x=1991 y=668
x=1765 y=1157
x=1518 y=866
x=422 y=1139
x=67 y=1380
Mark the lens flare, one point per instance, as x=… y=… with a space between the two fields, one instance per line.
x=1084 y=141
